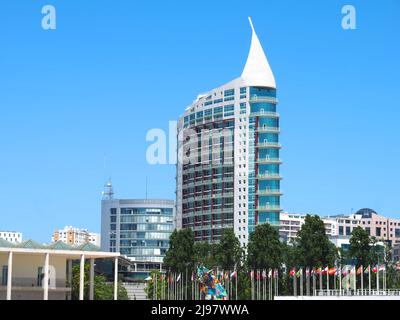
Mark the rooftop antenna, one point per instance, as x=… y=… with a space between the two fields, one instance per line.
x=108 y=193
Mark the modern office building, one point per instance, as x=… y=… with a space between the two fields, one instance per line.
x=137 y=228
x=11 y=236
x=228 y=155
x=76 y=236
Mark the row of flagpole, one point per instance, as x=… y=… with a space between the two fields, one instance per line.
x=348 y=274
x=264 y=286
x=178 y=286
x=264 y=283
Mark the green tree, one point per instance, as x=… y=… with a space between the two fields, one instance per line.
x=180 y=254
x=102 y=290
x=264 y=249
x=360 y=246
x=312 y=245
x=205 y=253
x=229 y=251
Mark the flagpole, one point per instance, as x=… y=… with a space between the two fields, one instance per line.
x=355 y=280
x=327 y=280
x=362 y=280
x=369 y=279
x=340 y=281
x=320 y=280
x=377 y=280
x=301 y=282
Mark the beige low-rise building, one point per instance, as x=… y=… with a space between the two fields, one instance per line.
x=31 y=271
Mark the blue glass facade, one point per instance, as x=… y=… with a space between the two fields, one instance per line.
x=264 y=180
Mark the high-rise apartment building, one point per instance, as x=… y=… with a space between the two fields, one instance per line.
x=228 y=155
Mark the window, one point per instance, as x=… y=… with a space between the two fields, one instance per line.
x=378 y=232
x=348 y=231
x=4 y=276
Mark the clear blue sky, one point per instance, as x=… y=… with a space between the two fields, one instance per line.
x=112 y=70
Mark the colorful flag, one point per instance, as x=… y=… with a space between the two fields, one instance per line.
x=270 y=273
x=325 y=271
x=318 y=271
x=299 y=273
x=307 y=272
x=292 y=272
x=227 y=275
x=332 y=271
x=252 y=274
x=367 y=269
x=382 y=267
x=233 y=274
x=276 y=273
x=359 y=270
x=258 y=275
x=375 y=270
x=264 y=274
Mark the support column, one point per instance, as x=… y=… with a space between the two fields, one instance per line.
x=9 y=274
x=45 y=283
x=82 y=277
x=91 y=280
x=70 y=278
x=116 y=278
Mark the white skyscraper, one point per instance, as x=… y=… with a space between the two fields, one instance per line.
x=228 y=155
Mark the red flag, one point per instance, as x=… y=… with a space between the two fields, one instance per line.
x=359 y=270
x=318 y=271
x=325 y=271
x=293 y=272
x=375 y=270
x=332 y=271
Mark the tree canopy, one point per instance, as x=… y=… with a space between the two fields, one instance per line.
x=313 y=247
x=264 y=249
x=180 y=254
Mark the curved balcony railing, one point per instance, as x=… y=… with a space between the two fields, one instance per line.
x=265 y=114
x=269 y=192
x=269 y=161
x=275 y=145
x=268 y=130
x=268 y=208
x=269 y=176
x=255 y=98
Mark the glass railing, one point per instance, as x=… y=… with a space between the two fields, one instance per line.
x=269 y=176
x=268 y=145
x=269 y=160
x=269 y=192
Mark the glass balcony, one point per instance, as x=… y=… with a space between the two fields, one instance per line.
x=269 y=176
x=269 y=192
x=268 y=130
x=275 y=145
x=268 y=208
x=265 y=114
x=269 y=161
x=255 y=98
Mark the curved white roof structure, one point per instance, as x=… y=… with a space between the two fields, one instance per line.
x=257 y=71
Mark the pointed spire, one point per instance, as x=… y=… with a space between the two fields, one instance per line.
x=257 y=71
